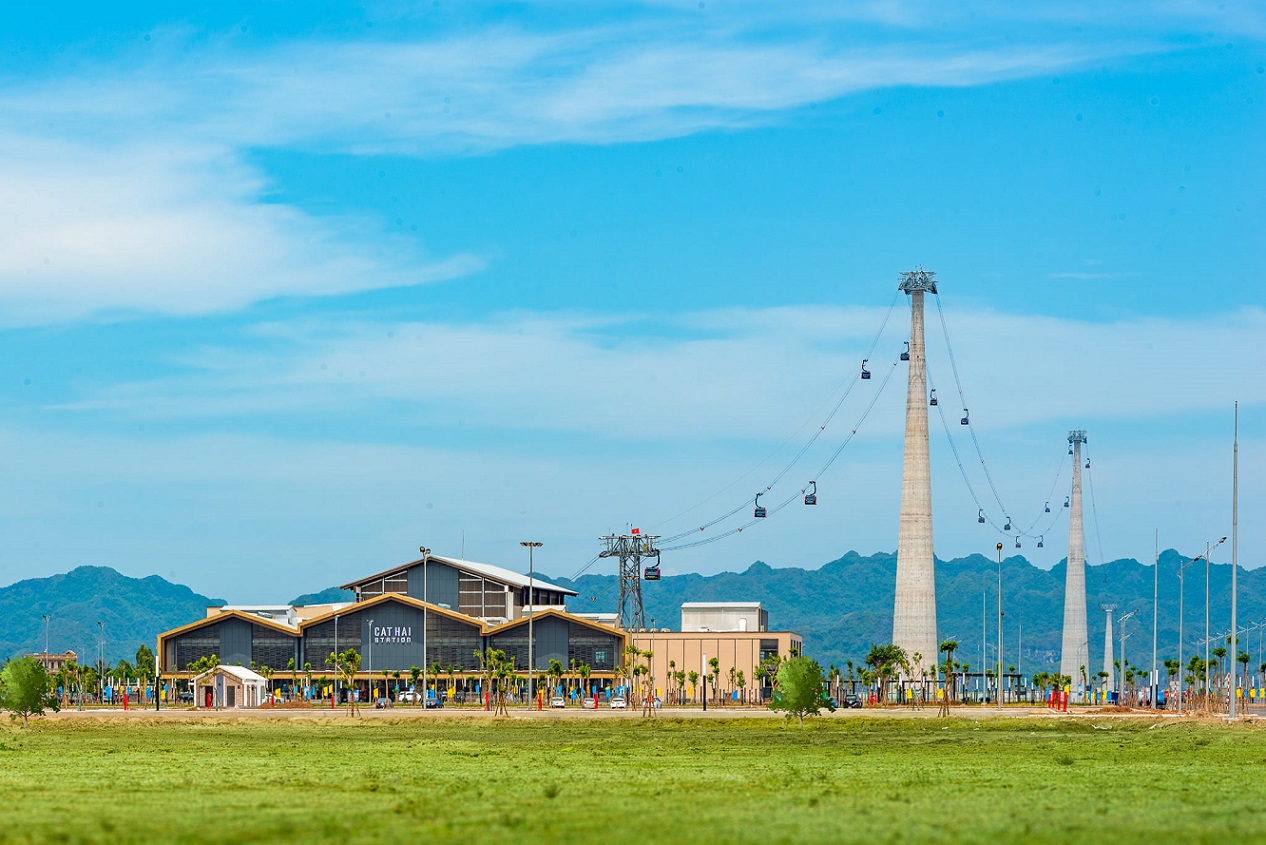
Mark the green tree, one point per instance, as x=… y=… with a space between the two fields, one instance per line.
x=693 y=677
x=884 y=660
x=415 y=673
x=801 y=689
x=24 y=690
x=346 y=665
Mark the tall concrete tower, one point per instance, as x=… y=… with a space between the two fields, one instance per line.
x=1110 y=681
x=1075 y=650
x=914 y=611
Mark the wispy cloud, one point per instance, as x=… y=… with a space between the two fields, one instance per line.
x=150 y=228
x=737 y=373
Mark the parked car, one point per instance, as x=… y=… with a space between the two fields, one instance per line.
x=186 y=697
x=382 y=703
x=852 y=699
x=618 y=703
x=408 y=697
x=434 y=703
x=558 y=701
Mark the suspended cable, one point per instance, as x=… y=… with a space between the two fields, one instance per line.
x=1094 y=510
x=776 y=508
x=800 y=454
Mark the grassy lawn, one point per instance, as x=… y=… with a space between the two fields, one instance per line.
x=628 y=780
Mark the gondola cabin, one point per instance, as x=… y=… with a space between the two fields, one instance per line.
x=865 y=372
x=980 y=516
x=650 y=573
x=932 y=401
x=905 y=354
x=966 y=420
x=811 y=497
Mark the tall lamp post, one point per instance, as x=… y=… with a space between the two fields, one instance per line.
x=46 y=621
x=531 y=547
x=1235 y=530
x=705 y=683
x=1154 y=686
x=426 y=598
x=1208 y=549
x=1121 y=675
x=999 y=691
x=369 y=661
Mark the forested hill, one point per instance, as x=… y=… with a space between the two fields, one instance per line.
x=132 y=611
x=845 y=605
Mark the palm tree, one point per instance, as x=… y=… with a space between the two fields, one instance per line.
x=714 y=666
x=584 y=670
x=693 y=677
x=415 y=672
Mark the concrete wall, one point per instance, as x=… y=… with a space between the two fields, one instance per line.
x=722 y=618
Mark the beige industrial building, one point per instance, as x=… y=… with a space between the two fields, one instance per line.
x=733 y=633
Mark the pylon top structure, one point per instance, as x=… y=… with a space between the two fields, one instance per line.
x=1077 y=436
x=918 y=280
x=630 y=549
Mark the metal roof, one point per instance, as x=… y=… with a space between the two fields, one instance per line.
x=487 y=570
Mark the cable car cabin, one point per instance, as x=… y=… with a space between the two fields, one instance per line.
x=966 y=420
x=980 y=517
x=932 y=401
x=905 y=355
x=1048 y=507
x=650 y=573
x=1040 y=542
x=759 y=512
x=1065 y=501
x=865 y=372
x=1087 y=463
x=1007 y=527
x=811 y=498
x=1017 y=542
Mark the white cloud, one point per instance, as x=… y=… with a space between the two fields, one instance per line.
x=152 y=228
x=736 y=373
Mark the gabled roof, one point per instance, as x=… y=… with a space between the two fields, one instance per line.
x=230 y=614
x=390 y=597
x=239 y=672
x=570 y=617
x=487 y=570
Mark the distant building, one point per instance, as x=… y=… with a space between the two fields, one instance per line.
x=231 y=687
x=53 y=663
x=724 y=616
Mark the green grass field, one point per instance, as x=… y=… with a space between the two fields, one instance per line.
x=628 y=780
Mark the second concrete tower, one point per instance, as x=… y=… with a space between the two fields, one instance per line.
x=1075 y=649
x=914 y=611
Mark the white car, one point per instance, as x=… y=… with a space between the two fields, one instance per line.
x=558 y=701
x=618 y=703
x=408 y=697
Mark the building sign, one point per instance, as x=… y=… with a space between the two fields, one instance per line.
x=392 y=634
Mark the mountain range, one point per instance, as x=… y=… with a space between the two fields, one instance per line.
x=840 y=608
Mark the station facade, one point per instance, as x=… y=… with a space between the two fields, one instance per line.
x=430 y=611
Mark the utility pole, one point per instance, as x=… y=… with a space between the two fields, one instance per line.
x=426 y=599
x=531 y=547
x=1155 y=684
x=1121 y=623
x=1235 y=508
x=999 y=701
x=630 y=549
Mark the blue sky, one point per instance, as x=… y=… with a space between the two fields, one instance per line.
x=286 y=292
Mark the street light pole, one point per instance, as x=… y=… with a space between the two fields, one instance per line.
x=1121 y=675
x=369 y=660
x=1154 y=686
x=426 y=598
x=1181 y=583
x=705 y=683
x=1235 y=508
x=999 y=691
x=46 y=619
x=531 y=547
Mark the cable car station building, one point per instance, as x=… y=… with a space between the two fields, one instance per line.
x=433 y=610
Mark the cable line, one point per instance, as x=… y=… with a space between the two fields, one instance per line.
x=772 y=510
x=798 y=456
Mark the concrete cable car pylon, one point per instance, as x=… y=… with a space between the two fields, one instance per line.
x=914 y=606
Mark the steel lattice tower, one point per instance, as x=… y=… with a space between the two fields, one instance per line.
x=1075 y=646
x=630 y=549
x=914 y=606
